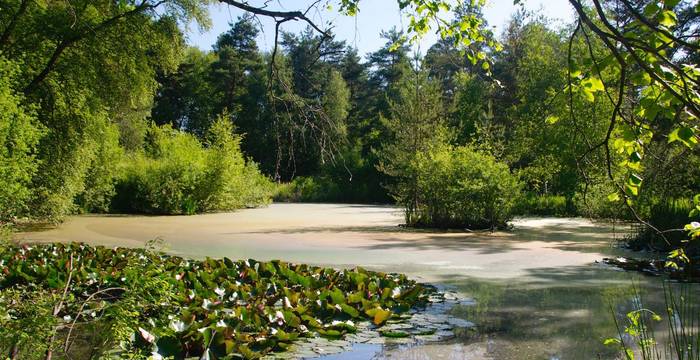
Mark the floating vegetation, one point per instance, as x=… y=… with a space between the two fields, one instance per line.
x=431 y=323
x=156 y=304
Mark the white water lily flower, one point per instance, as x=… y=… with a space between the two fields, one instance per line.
x=178 y=326
x=67 y=318
x=219 y=291
x=206 y=303
x=221 y=323
x=695 y=224
x=279 y=318
x=206 y=356
x=150 y=338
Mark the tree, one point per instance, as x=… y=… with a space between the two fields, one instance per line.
x=415 y=124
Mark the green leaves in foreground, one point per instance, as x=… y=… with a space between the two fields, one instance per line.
x=213 y=307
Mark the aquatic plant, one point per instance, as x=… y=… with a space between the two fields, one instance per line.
x=637 y=337
x=139 y=302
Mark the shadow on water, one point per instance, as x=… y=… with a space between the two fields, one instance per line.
x=567 y=235
x=552 y=313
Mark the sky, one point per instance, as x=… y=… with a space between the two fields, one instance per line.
x=362 y=31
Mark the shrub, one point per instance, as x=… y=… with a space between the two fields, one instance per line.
x=349 y=179
x=460 y=187
x=178 y=175
x=543 y=205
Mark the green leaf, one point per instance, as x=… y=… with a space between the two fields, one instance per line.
x=551 y=119
x=594 y=84
x=611 y=341
x=350 y=310
x=667 y=18
x=685 y=135
x=614 y=197
x=634 y=179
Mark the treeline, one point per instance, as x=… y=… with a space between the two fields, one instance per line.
x=77 y=84
x=394 y=125
x=116 y=113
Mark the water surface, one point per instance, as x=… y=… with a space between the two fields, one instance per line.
x=539 y=292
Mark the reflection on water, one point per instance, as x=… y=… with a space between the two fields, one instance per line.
x=524 y=322
x=539 y=293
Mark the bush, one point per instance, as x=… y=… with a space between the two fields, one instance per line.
x=544 y=205
x=348 y=179
x=178 y=175
x=459 y=187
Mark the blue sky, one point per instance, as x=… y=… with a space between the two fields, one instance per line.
x=363 y=30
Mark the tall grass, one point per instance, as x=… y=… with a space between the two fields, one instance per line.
x=637 y=338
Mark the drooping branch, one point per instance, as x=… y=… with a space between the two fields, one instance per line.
x=279 y=16
x=655 y=28
x=91 y=30
x=612 y=33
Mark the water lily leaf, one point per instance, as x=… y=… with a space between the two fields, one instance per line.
x=395 y=334
x=350 y=310
x=379 y=315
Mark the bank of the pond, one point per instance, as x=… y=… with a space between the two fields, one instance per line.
x=539 y=293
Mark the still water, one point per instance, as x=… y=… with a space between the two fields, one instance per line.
x=538 y=291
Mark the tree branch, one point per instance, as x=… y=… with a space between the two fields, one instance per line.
x=5 y=37
x=284 y=15
x=68 y=41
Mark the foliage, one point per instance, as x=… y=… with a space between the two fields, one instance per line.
x=178 y=175
x=415 y=124
x=102 y=171
x=543 y=205
x=668 y=216
x=636 y=337
x=19 y=135
x=147 y=302
x=462 y=188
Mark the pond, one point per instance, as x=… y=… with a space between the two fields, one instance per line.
x=538 y=292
